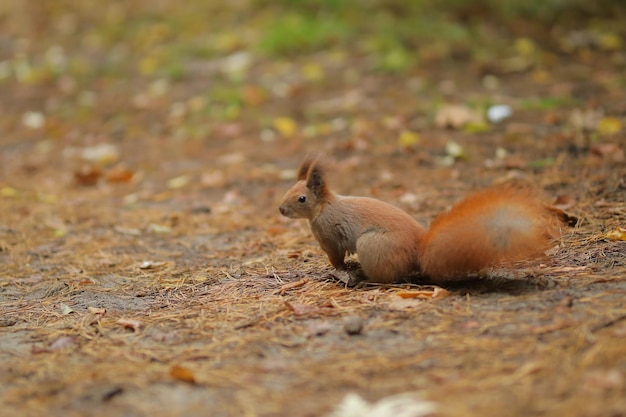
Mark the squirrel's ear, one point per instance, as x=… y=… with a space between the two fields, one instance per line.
x=303 y=171
x=316 y=181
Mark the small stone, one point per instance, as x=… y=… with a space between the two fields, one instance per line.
x=353 y=325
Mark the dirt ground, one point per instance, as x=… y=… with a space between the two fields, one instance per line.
x=145 y=269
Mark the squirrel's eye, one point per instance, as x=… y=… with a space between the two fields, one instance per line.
x=301 y=199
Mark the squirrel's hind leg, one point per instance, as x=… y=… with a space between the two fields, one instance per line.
x=385 y=257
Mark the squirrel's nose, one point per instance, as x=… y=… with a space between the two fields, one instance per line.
x=282 y=210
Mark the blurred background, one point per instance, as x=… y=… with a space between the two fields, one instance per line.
x=116 y=90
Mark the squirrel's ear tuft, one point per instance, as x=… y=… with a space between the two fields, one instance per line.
x=310 y=160
x=316 y=180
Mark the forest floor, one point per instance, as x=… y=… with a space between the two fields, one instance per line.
x=145 y=269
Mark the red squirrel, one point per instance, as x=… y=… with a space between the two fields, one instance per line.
x=491 y=228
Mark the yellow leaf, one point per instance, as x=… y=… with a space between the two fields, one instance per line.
x=476 y=127
x=285 y=126
x=618 y=234
x=47 y=198
x=312 y=72
x=408 y=138
x=148 y=65
x=609 y=125
x=8 y=192
x=525 y=46
x=610 y=41
x=178 y=182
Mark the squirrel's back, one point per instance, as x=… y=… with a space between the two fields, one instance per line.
x=494 y=227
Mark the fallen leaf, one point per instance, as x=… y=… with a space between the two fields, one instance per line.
x=455 y=150
x=499 y=112
x=312 y=72
x=587 y=119
x=87 y=175
x=285 y=126
x=525 y=47
x=213 y=179
x=33 y=120
x=8 y=192
x=618 y=234
x=119 y=174
x=456 y=116
x=436 y=293
x=152 y=264
x=300 y=309
x=276 y=230
x=132 y=324
x=178 y=182
x=405 y=405
x=99 y=311
x=159 y=228
x=182 y=373
x=609 y=125
x=610 y=41
x=101 y=154
x=253 y=95
x=402 y=304
x=292 y=285
x=408 y=139
x=476 y=127
x=610 y=151
x=65 y=309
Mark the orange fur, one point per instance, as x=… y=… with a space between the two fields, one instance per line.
x=494 y=227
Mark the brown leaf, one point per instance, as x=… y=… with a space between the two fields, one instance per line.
x=182 y=373
x=300 y=309
x=97 y=310
x=119 y=174
x=132 y=324
x=436 y=293
x=253 y=95
x=276 y=230
x=87 y=175
x=609 y=151
x=456 y=116
x=292 y=285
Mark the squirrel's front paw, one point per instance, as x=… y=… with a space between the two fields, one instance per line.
x=351 y=278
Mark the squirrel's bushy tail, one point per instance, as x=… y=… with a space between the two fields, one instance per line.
x=494 y=227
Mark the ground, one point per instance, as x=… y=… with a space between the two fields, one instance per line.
x=145 y=269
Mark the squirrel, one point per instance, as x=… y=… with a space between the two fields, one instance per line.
x=495 y=227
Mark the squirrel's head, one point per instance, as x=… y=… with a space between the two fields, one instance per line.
x=307 y=196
